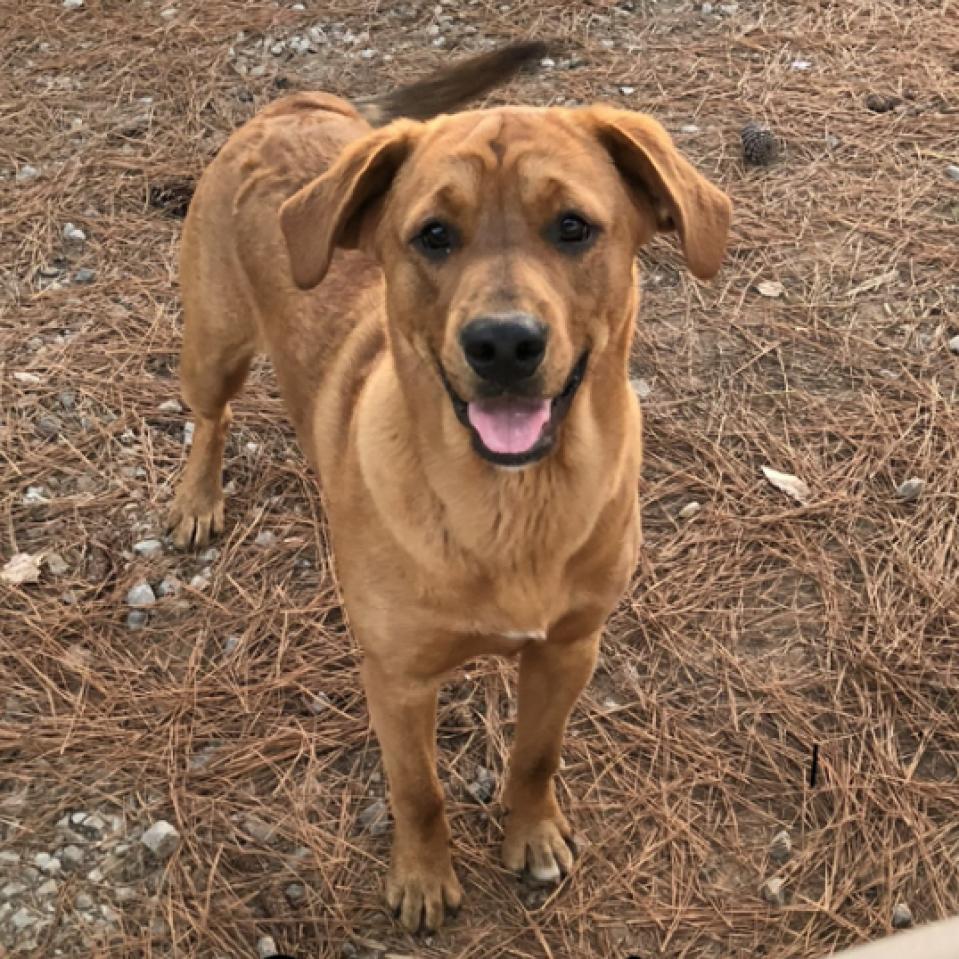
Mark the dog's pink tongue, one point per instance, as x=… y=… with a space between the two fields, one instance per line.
x=508 y=425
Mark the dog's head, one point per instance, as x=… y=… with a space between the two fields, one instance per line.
x=507 y=238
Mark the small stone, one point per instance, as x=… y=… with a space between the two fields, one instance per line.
x=148 y=548
x=881 y=103
x=169 y=13
x=210 y=555
x=83 y=901
x=641 y=387
x=23 y=919
x=95 y=875
x=27 y=379
x=79 y=818
x=901 y=916
x=433 y=30
x=169 y=586
x=26 y=173
x=200 y=582
x=689 y=128
x=84 y=276
x=295 y=893
x=265 y=538
x=627 y=91
x=124 y=893
x=348 y=951
x=73 y=233
x=689 y=510
x=318 y=703
x=67 y=399
x=9 y=858
x=141 y=595
x=728 y=9
x=373 y=817
x=230 y=644
x=266 y=947
x=170 y=406
x=910 y=490
x=49 y=888
x=952 y=171
x=298 y=7
x=109 y=913
x=482 y=787
x=56 y=563
x=188 y=429
x=772 y=892
x=73 y=4
x=548 y=63
x=706 y=8
x=46 y=863
x=780 y=848
x=832 y=141
x=137 y=619
x=161 y=839
x=94 y=826
x=12 y=889
x=800 y=65
x=277 y=49
x=760 y=146
x=72 y=856
x=954 y=345
x=261 y=831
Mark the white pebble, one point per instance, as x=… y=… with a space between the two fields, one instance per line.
x=12 y=889
x=169 y=13
x=689 y=128
x=266 y=947
x=547 y=62
x=707 y=8
x=27 y=379
x=72 y=4
x=73 y=233
x=910 y=490
x=23 y=919
x=170 y=406
x=200 y=582
x=266 y=538
x=141 y=595
x=800 y=65
x=298 y=7
x=689 y=510
x=627 y=91
x=161 y=839
x=49 y=888
x=26 y=173
x=952 y=171
x=277 y=48
x=109 y=913
x=188 y=429
x=148 y=548
x=954 y=345
x=83 y=901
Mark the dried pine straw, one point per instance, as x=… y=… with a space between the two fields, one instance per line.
x=754 y=630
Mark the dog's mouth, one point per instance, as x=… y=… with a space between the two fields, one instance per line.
x=515 y=430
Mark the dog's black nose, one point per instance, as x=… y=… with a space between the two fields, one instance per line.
x=504 y=349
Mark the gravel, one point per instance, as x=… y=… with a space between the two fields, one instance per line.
x=170 y=406
x=161 y=839
x=141 y=595
x=148 y=548
x=772 y=892
x=137 y=619
x=73 y=233
x=26 y=173
x=780 y=849
x=910 y=490
x=901 y=916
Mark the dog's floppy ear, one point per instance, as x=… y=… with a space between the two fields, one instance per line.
x=329 y=211
x=683 y=200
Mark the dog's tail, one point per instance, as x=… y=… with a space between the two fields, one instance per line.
x=448 y=89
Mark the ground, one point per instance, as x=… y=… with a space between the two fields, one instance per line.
x=756 y=629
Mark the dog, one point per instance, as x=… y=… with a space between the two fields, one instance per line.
x=448 y=301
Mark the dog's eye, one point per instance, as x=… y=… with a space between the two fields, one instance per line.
x=435 y=239
x=572 y=231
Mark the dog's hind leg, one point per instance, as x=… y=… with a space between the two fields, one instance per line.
x=219 y=342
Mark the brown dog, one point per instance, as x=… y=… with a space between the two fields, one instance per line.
x=459 y=381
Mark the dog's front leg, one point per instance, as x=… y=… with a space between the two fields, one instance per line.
x=421 y=879
x=551 y=677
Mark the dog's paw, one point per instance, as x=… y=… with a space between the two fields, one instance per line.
x=194 y=519
x=420 y=895
x=542 y=846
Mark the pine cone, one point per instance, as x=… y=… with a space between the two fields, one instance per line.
x=760 y=146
